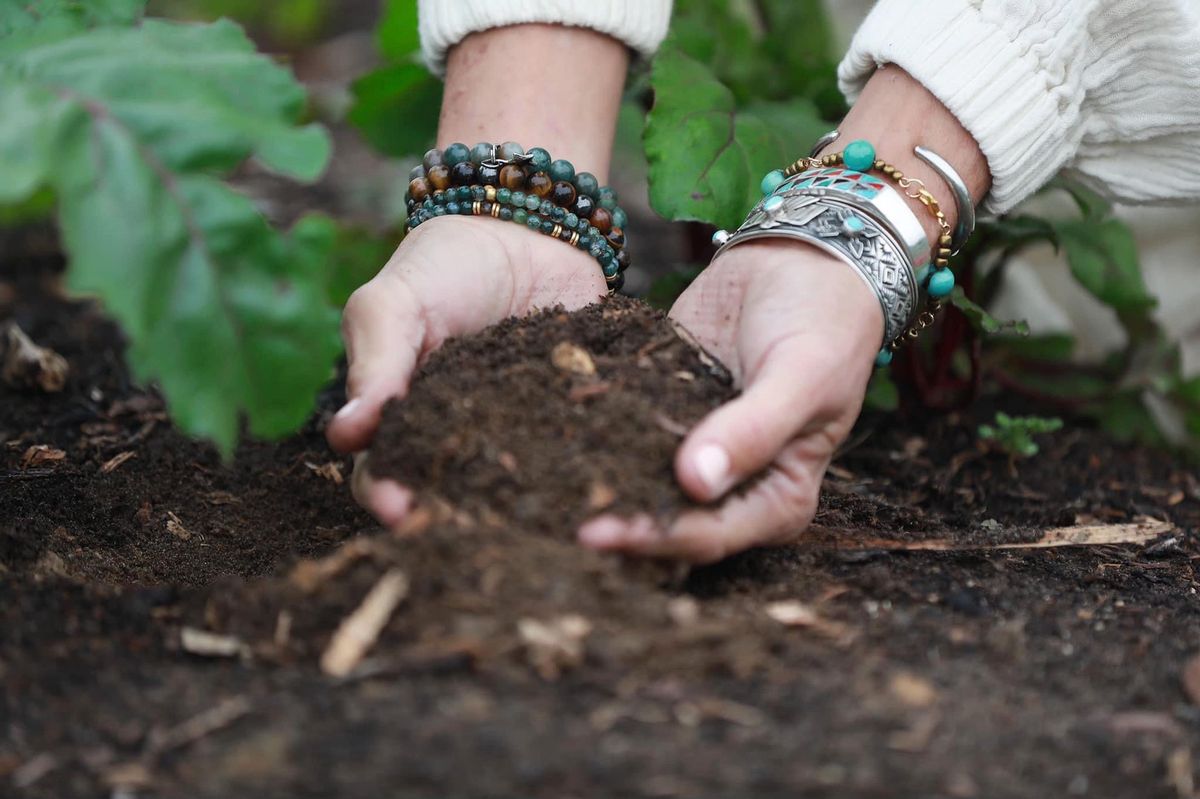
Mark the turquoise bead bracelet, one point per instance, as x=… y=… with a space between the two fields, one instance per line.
x=860 y=156
x=527 y=187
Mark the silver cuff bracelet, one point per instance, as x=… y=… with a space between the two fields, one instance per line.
x=846 y=232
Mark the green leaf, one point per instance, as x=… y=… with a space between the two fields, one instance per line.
x=1091 y=204
x=882 y=394
x=706 y=156
x=226 y=314
x=1048 y=347
x=396 y=109
x=396 y=35
x=66 y=15
x=1103 y=257
x=984 y=321
x=357 y=257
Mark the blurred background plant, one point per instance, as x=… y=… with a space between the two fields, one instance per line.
x=739 y=88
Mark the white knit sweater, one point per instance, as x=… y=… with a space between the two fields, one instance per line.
x=1109 y=89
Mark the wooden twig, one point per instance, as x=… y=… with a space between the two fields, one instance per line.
x=1082 y=535
x=359 y=631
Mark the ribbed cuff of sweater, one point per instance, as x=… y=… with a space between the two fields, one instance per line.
x=641 y=24
x=1021 y=117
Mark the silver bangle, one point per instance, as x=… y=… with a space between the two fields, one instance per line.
x=874 y=197
x=962 y=196
x=823 y=142
x=856 y=238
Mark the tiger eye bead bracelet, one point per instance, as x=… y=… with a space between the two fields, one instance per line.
x=528 y=188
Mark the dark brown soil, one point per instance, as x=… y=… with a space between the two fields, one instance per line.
x=975 y=673
x=543 y=421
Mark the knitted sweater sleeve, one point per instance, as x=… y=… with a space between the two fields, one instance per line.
x=1108 y=89
x=641 y=24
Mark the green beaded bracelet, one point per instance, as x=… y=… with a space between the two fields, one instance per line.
x=528 y=188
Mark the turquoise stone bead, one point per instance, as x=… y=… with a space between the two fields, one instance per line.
x=517 y=198
x=481 y=152
x=773 y=204
x=562 y=169
x=607 y=198
x=620 y=218
x=547 y=226
x=464 y=193
x=859 y=155
x=611 y=268
x=539 y=159
x=533 y=222
x=572 y=221
x=520 y=215
x=587 y=184
x=452 y=208
x=883 y=358
x=533 y=202
x=503 y=196
x=456 y=153
x=506 y=214
x=941 y=283
x=772 y=181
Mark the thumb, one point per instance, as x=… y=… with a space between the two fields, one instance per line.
x=783 y=397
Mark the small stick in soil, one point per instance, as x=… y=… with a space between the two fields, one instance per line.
x=199 y=726
x=114 y=463
x=359 y=631
x=1080 y=535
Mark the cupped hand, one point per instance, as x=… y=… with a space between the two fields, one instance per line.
x=451 y=276
x=800 y=331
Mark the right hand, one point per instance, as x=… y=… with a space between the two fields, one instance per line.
x=450 y=277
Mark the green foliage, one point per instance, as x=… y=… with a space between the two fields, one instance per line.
x=730 y=107
x=288 y=22
x=983 y=320
x=1014 y=434
x=882 y=394
x=396 y=107
x=131 y=128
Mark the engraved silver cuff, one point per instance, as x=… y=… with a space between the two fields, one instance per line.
x=873 y=197
x=843 y=230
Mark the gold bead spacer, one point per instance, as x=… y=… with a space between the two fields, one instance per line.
x=477 y=207
x=574 y=238
x=489 y=192
x=496 y=210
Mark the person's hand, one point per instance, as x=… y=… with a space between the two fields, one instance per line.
x=451 y=276
x=800 y=331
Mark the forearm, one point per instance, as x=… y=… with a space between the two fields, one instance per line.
x=897 y=114
x=544 y=86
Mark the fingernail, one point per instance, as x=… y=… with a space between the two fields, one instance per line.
x=712 y=464
x=348 y=409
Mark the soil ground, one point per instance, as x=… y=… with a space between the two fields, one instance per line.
x=519 y=665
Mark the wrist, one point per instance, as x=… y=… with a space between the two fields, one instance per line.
x=499 y=88
x=787 y=269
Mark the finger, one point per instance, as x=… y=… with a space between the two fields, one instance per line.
x=384 y=331
x=386 y=500
x=774 y=511
x=783 y=397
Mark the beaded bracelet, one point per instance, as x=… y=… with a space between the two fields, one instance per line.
x=528 y=188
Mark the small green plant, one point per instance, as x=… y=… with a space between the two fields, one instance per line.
x=130 y=125
x=1014 y=434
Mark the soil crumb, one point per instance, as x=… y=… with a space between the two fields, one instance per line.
x=545 y=421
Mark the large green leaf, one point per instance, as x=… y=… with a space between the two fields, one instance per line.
x=128 y=127
x=1104 y=259
x=706 y=155
x=396 y=35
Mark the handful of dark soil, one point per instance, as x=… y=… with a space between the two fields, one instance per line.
x=548 y=420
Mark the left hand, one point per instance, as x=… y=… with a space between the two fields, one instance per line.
x=800 y=331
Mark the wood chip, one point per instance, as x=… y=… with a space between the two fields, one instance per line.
x=331 y=471
x=211 y=645
x=41 y=455
x=792 y=613
x=556 y=645
x=309 y=575
x=114 y=463
x=359 y=631
x=1191 y=680
x=600 y=496
x=26 y=365
x=199 y=726
x=912 y=690
x=175 y=527
x=572 y=358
